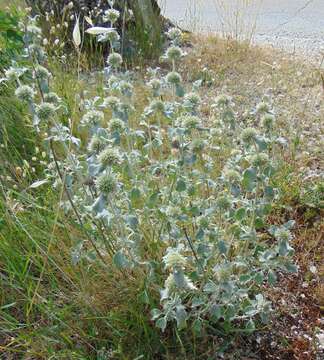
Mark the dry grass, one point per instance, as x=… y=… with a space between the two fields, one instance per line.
x=248 y=73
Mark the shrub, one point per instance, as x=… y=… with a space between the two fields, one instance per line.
x=151 y=199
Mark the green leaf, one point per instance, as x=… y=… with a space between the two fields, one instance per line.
x=120 y=260
x=250 y=326
x=197 y=327
x=162 y=323
x=181 y=185
x=155 y=313
x=240 y=214
x=249 y=179
x=222 y=247
x=153 y=199
x=181 y=317
x=272 y=278
x=135 y=194
x=269 y=192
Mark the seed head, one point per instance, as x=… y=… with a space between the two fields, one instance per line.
x=34 y=30
x=192 y=100
x=45 y=111
x=157 y=105
x=268 y=121
x=173 y=259
x=223 y=100
x=190 y=121
x=174 y=34
x=126 y=88
x=25 y=93
x=249 y=135
x=173 y=78
x=263 y=108
x=52 y=98
x=197 y=146
x=174 y=53
x=260 y=160
x=232 y=176
x=115 y=60
x=112 y=36
x=116 y=125
x=92 y=118
x=42 y=73
x=155 y=84
x=112 y=102
x=109 y=157
x=283 y=234
x=223 y=202
x=111 y=15
x=96 y=144
x=106 y=183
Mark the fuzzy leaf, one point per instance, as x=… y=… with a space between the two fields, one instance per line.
x=76 y=33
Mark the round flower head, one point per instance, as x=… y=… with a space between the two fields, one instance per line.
x=42 y=73
x=116 y=125
x=111 y=15
x=190 y=121
x=125 y=88
x=283 y=234
x=96 y=144
x=13 y=73
x=197 y=146
x=115 y=60
x=113 y=82
x=155 y=84
x=173 y=259
x=232 y=176
x=223 y=100
x=249 y=135
x=260 y=160
x=192 y=100
x=112 y=102
x=36 y=51
x=157 y=105
x=172 y=286
x=92 y=117
x=263 y=108
x=173 y=78
x=268 y=121
x=174 y=34
x=52 y=98
x=174 y=53
x=223 y=202
x=111 y=36
x=45 y=110
x=34 y=30
x=106 y=183
x=203 y=222
x=109 y=157
x=25 y=93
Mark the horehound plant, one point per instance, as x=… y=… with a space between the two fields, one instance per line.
x=182 y=199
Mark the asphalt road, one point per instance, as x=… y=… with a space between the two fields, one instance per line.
x=295 y=25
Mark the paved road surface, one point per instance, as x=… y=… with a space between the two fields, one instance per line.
x=289 y=24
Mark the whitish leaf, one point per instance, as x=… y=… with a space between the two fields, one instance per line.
x=76 y=33
x=96 y=30
x=181 y=317
x=38 y=183
x=88 y=20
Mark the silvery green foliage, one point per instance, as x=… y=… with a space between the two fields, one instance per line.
x=148 y=185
